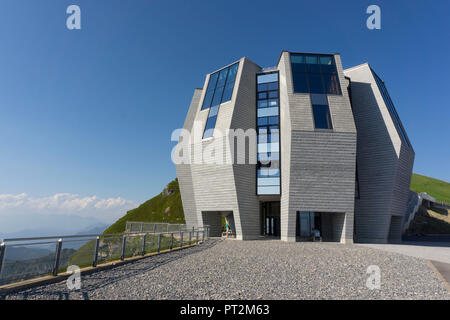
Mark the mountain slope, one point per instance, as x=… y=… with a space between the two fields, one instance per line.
x=436 y=188
x=165 y=207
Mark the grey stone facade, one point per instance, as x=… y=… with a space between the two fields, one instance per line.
x=318 y=166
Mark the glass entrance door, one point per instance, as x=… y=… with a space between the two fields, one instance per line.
x=271 y=218
x=305 y=223
x=271 y=226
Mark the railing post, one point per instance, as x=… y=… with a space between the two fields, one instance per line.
x=203 y=235
x=97 y=243
x=181 y=239
x=159 y=242
x=124 y=241
x=196 y=238
x=143 y=244
x=171 y=241
x=190 y=237
x=154 y=228
x=2 y=257
x=57 y=257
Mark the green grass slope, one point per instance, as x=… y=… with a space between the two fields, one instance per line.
x=165 y=207
x=436 y=188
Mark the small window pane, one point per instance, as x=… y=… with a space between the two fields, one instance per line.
x=212 y=81
x=269 y=190
x=322 y=117
x=319 y=99
x=273 y=103
x=274 y=156
x=270 y=77
x=273 y=138
x=266 y=172
x=312 y=60
x=313 y=64
x=327 y=64
x=207 y=100
x=232 y=72
x=265 y=112
x=328 y=68
x=262 y=121
x=228 y=92
x=209 y=128
x=262 y=95
x=273 y=120
x=326 y=60
x=263 y=103
x=331 y=84
x=297 y=58
x=262 y=138
x=272 y=86
x=273 y=94
x=217 y=96
x=263 y=87
x=300 y=82
x=315 y=83
x=213 y=111
x=222 y=78
x=269 y=181
x=298 y=67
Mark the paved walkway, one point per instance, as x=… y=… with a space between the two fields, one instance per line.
x=436 y=251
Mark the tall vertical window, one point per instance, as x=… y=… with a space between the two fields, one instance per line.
x=219 y=90
x=392 y=111
x=268 y=127
x=321 y=111
x=316 y=74
x=322 y=117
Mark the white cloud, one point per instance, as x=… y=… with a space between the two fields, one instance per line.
x=12 y=206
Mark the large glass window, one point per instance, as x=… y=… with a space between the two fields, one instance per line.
x=220 y=86
x=393 y=112
x=314 y=74
x=268 y=168
x=219 y=90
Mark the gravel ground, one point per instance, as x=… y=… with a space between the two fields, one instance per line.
x=257 y=270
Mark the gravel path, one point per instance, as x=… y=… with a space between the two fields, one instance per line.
x=257 y=270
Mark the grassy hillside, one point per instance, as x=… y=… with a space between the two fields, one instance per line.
x=430 y=221
x=165 y=207
x=436 y=188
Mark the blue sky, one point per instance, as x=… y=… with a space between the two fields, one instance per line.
x=90 y=111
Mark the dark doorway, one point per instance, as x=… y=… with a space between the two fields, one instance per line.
x=270 y=216
x=307 y=222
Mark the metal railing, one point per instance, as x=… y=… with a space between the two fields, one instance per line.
x=139 y=226
x=28 y=258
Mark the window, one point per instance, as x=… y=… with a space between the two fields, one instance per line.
x=219 y=90
x=315 y=83
x=220 y=86
x=268 y=168
x=322 y=117
x=209 y=128
x=314 y=74
x=392 y=111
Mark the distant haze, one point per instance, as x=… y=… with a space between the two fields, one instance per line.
x=64 y=213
